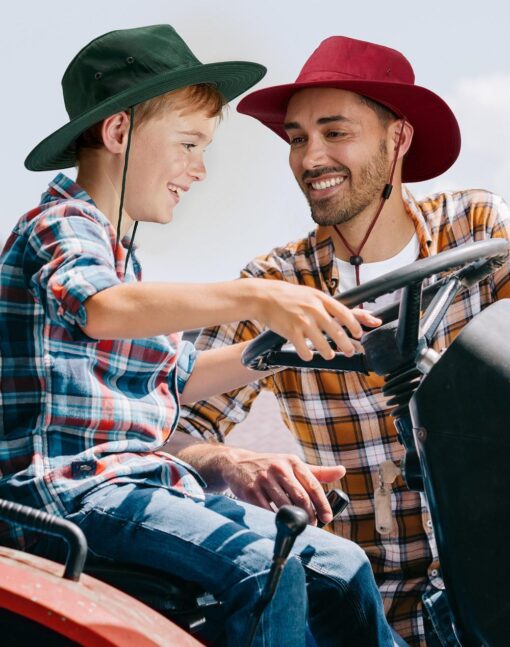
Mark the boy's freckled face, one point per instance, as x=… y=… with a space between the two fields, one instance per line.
x=166 y=157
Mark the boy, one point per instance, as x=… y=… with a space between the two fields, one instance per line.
x=92 y=376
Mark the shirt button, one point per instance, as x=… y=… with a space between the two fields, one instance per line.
x=434 y=572
x=429 y=523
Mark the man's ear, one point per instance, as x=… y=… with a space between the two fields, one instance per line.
x=114 y=132
x=406 y=136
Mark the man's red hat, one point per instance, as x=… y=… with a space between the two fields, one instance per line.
x=384 y=75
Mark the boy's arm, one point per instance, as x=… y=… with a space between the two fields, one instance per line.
x=219 y=371
x=264 y=479
x=297 y=313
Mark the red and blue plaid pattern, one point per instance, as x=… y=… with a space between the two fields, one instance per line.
x=76 y=412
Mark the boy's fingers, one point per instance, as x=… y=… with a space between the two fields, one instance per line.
x=347 y=318
x=366 y=318
x=321 y=344
x=302 y=349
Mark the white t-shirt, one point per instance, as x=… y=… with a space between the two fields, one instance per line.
x=369 y=271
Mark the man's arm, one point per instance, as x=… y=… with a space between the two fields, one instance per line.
x=264 y=479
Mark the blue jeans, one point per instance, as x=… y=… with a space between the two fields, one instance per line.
x=226 y=546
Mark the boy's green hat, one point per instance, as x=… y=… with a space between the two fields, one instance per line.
x=122 y=68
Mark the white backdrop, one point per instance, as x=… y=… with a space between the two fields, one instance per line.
x=250 y=202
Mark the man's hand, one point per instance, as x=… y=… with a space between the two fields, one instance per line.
x=280 y=479
x=266 y=480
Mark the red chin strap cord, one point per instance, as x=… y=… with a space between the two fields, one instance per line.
x=356 y=258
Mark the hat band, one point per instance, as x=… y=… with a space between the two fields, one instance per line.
x=105 y=86
x=325 y=76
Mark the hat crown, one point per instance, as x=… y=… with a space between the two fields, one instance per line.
x=342 y=58
x=120 y=60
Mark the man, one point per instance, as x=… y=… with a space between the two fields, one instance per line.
x=357 y=125
x=92 y=367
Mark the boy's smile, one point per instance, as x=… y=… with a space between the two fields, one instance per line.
x=166 y=158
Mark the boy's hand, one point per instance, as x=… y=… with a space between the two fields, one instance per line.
x=300 y=313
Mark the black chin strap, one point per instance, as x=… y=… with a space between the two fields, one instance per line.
x=130 y=248
x=123 y=192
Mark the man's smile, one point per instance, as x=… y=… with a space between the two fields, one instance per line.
x=325 y=186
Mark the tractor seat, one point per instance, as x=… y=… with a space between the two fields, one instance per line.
x=184 y=603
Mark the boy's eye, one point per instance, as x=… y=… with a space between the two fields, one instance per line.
x=189 y=147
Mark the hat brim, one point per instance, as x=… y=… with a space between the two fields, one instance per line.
x=436 y=140
x=232 y=78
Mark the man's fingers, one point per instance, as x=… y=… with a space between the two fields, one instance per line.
x=327 y=473
x=315 y=492
x=311 y=476
x=274 y=493
x=257 y=498
x=294 y=493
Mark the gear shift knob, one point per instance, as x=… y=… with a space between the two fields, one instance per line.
x=290 y=522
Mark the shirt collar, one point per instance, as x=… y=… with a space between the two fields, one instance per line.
x=415 y=212
x=63 y=188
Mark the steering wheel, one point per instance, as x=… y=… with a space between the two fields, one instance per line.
x=476 y=261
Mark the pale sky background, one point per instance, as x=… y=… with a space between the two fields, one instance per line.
x=250 y=201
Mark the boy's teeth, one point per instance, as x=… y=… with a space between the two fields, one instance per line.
x=175 y=189
x=325 y=184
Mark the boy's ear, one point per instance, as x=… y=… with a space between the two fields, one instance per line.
x=114 y=132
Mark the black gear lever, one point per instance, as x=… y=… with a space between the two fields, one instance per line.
x=290 y=522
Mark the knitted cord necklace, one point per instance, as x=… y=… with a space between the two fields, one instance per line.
x=356 y=259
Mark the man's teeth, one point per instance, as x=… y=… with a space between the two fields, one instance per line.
x=175 y=189
x=325 y=184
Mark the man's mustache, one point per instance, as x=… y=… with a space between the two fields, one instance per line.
x=317 y=172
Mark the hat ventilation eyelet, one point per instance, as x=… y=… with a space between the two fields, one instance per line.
x=98 y=75
x=130 y=60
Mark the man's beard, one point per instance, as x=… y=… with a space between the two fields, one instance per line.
x=369 y=186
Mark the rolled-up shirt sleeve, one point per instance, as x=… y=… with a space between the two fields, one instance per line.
x=68 y=258
x=186 y=360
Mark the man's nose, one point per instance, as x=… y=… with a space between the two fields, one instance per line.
x=315 y=154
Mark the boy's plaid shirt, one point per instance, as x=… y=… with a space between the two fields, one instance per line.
x=77 y=413
x=343 y=417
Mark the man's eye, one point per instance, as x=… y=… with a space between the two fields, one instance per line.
x=335 y=134
x=295 y=141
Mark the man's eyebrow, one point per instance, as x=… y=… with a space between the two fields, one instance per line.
x=294 y=125
x=291 y=125
x=328 y=120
